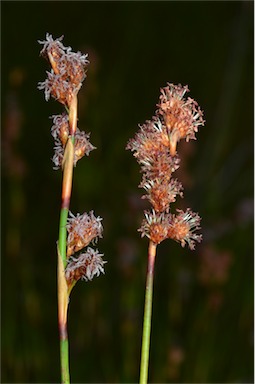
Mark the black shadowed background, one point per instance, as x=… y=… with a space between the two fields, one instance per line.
x=202 y=329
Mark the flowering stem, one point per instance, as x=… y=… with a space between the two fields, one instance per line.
x=147 y=314
x=63 y=293
x=154 y=147
x=63 y=83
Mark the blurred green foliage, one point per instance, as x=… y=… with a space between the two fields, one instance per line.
x=202 y=328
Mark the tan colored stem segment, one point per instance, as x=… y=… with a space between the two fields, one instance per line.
x=73 y=115
x=67 y=166
x=53 y=63
x=62 y=295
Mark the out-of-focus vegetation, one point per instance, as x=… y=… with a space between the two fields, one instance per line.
x=202 y=328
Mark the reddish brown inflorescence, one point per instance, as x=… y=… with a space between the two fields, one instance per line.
x=85 y=266
x=83 y=230
x=60 y=133
x=63 y=83
x=182 y=117
x=67 y=73
x=154 y=147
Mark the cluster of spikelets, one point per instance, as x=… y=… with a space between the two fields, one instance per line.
x=63 y=83
x=154 y=147
x=60 y=133
x=83 y=230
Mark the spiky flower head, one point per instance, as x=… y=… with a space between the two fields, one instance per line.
x=82 y=229
x=150 y=140
x=60 y=132
x=182 y=116
x=82 y=145
x=182 y=228
x=67 y=73
x=154 y=226
x=85 y=266
x=161 y=193
x=60 y=128
x=150 y=147
x=154 y=147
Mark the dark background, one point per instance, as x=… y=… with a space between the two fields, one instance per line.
x=202 y=328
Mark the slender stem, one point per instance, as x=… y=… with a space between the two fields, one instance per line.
x=63 y=292
x=62 y=234
x=73 y=115
x=62 y=320
x=64 y=351
x=62 y=261
x=147 y=314
x=66 y=195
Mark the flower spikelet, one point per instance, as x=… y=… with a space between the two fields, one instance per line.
x=82 y=145
x=151 y=140
x=183 y=226
x=67 y=73
x=53 y=49
x=85 y=266
x=60 y=128
x=161 y=193
x=60 y=132
x=161 y=167
x=182 y=116
x=58 y=155
x=82 y=229
x=150 y=147
x=154 y=226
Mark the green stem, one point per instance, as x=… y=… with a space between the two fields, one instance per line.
x=147 y=314
x=63 y=299
x=62 y=234
x=63 y=294
x=62 y=320
x=64 y=360
x=63 y=291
